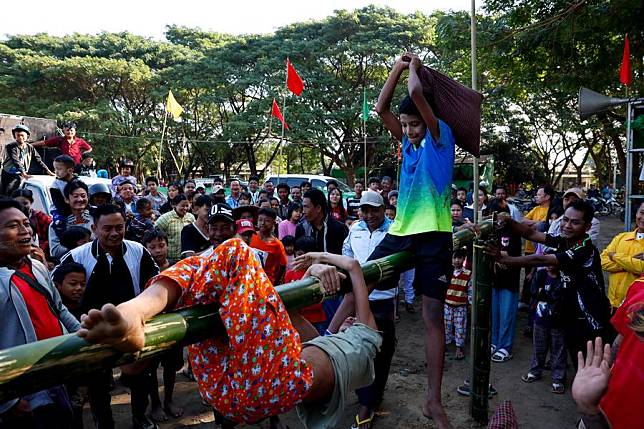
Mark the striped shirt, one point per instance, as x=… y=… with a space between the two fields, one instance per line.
x=457 y=293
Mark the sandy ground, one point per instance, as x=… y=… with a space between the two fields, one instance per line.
x=534 y=404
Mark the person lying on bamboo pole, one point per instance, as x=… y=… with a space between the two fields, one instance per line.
x=262 y=368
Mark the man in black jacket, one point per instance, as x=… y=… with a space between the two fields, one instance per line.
x=329 y=234
x=117 y=270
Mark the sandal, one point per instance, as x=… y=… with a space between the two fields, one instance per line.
x=530 y=378
x=558 y=388
x=501 y=355
x=368 y=421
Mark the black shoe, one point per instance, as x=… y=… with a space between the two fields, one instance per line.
x=143 y=423
x=464 y=389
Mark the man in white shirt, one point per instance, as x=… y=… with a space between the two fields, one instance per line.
x=363 y=238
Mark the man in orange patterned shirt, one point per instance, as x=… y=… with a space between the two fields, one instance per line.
x=261 y=369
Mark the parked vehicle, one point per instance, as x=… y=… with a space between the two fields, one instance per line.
x=318 y=182
x=40 y=186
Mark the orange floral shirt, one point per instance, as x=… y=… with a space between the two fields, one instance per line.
x=257 y=373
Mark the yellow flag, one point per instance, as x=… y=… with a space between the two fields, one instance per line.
x=173 y=107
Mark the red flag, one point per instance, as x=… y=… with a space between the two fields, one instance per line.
x=293 y=80
x=276 y=112
x=625 y=73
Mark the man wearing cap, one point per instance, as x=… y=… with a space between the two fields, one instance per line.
x=69 y=144
x=17 y=160
x=221 y=226
x=219 y=195
x=570 y=196
x=362 y=240
x=623 y=259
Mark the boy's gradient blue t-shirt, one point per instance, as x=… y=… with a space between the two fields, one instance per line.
x=426 y=185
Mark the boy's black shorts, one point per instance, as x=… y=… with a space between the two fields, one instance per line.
x=432 y=255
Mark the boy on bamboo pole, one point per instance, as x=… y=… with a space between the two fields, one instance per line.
x=261 y=368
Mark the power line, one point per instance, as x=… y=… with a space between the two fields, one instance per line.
x=371 y=140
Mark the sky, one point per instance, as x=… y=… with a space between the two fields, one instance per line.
x=149 y=18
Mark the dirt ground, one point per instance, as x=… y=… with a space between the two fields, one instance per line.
x=536 y=407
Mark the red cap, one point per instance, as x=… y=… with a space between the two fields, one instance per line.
x=244 y=225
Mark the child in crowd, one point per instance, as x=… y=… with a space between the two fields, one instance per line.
x=266 y=241
x=390 y=211
x=126 y=168
x=156 y=242
x=87 y=167
x=69 y=279
x=245 y=230
x=140 y=222
x=456 y=301
x=64 y=170
x=289 y=247
x=244 y=199
x=152 y=193
x=393 y=198
x=547 y=332
x=75 y=236
x=313 y=313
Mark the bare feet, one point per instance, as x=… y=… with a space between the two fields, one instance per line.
x=436 y=412
x=112 y=327
x=172 y=410
x=157 y=414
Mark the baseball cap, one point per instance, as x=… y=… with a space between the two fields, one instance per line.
x=221 y=211
x=393 y=193
x=244 y=225
x=217 y=188
x=373 y=199
x=576 y=191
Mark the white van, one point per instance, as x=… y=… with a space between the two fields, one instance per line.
x=316 y=181
x=40 y=186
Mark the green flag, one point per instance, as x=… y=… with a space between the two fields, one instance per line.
x=365 y=106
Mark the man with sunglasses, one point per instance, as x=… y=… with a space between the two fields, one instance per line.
x=579 y=262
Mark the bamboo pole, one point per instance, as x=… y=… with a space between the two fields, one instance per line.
x=35 y=366
x=481 y=316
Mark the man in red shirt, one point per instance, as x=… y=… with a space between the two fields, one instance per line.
x=31 y=310
x=69 y=144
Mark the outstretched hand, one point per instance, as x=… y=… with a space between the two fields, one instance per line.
x=329 y=276
x=591 y=380
x=303 y=262
x=110 y=326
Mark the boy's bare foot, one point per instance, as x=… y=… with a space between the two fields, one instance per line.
x=172 y=410
x=157 y=414
x=109 y=326
x=436 y=412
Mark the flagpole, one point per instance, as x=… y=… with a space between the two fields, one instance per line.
x=279 y=164
x=364 y=132
x=165 y=119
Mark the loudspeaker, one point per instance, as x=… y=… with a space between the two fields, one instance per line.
x=591 y=102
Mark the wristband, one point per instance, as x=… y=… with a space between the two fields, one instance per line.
x=327 y=333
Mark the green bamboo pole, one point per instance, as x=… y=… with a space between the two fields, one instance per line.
x=481 y=312
x=34 y=366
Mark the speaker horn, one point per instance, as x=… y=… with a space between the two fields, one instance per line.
x=591 y=102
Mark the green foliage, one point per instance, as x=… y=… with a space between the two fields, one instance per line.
x=533 y=56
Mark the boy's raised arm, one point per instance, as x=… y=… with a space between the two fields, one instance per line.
x=418 y=97
x=384 y=100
